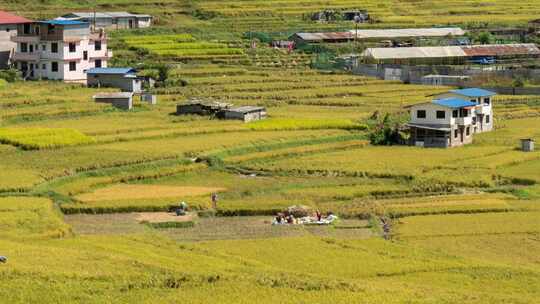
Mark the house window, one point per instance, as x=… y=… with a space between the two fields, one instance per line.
x=474 y=100
x=31 y=48
x=54 y=47
x=54 y=66
x=441 y=114
x=421 y=114
x=24 y=47
x=468 y=131
x=72 y=47
x=72 y=66
x=37 y=30
x=97 y=45
x=98 y=63
x=487 y=119
x=487 y=101
x=26 y=28
x=85 y=55
x=456 y=133
x=44 y=47
x=455 y=113
x=44 y=66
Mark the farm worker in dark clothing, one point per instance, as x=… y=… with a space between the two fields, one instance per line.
x=214 y=200
x=318 y=214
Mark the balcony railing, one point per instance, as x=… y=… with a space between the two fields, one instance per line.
x=18 y=56
x=464 y=121
x=29 y=39
x=483 y=109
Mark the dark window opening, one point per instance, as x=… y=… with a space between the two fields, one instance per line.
x=24 y=47
x=487 y=119
x=54 y=66
x=441 y=114
x=456 y=133
x=31 y=48
x=72 y=66
x=421 y=114
x=26 y=28
x=85 y=55
x=97 y=45
x=468 y=131
x=455 y=113
x=72 y=47
x=54 y=47
x=98 y=63
x=487 y=101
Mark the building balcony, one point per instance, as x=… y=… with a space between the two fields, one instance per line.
x=483 y=109
x=18 y=56
x=27 y=39
x=464 y=121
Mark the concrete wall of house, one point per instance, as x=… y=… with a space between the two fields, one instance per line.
x=143 y=22
x=246 y=117
x=6 y=45
x=84 y=56
x=431 y=115
x=126 y=84
x=124 y=103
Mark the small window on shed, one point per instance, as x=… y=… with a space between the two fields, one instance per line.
x=421 y=114
x=441 y=114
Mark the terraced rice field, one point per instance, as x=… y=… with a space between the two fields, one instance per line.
x=416 y=225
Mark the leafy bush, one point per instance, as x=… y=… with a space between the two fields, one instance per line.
x=10 y=75
x=385 y=131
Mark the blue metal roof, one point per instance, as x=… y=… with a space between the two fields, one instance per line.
x=64 y=22
x=454 y=103
x=473 y=92
x=120 y=71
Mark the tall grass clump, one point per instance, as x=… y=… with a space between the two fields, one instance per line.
x=43 y=138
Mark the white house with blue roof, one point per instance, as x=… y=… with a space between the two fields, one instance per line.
x=59 y=50
x=451 y=119
x=483 y=120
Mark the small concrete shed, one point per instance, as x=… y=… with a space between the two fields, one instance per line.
x=527 y=144
x=123 y=78
x=121 y=100
x=245 y=113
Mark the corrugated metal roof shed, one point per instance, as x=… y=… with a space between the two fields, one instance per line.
x=247 y=109
x=410 y=32
x=473 y=92
x=414 y=52
x=64 y=22
x=454 y=103
x=110 y=71
x=113 y=95
x=452 y=51
x=325 y=36
x=501 y=49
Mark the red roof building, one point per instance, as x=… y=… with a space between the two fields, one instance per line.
x=7 y=18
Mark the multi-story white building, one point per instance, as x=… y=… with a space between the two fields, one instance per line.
x=8 y=28
x=451 y=118
x=59 y=50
